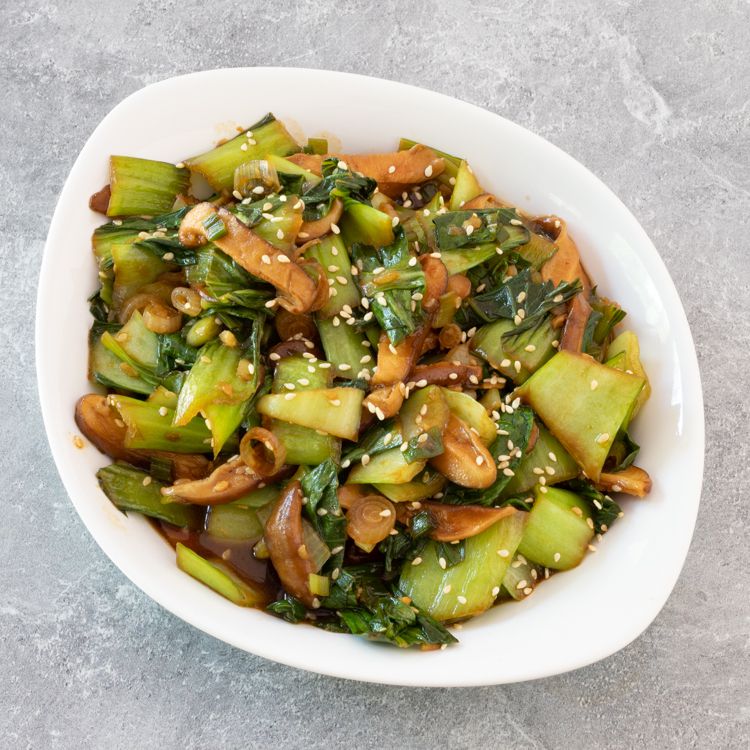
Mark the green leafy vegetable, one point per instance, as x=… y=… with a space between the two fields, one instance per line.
x=501 y=226
x=604 y=510
x=365 y=605
x=288 y=608
x=390 y=278
x=336 y=183
x=320 y=485
x=537 y=299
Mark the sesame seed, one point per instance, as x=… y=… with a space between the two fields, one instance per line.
x=342 y=280
x=461 y=599
x=146 y=481
x=530 y=348
x=556 y=558
x=416 y=561
x=469 y=230
x=365 y=459
x=602 y=438
x=428 y=170
x=221 y=486
x=342 y=165
x=594 y=385
x=289 y=396
x=442 y=563
x=479 y=460
x=258 y=190
x=404 y=447
x=503 y=553
x=392 y=169
x=394 y=221
x=335 y=229
x=385 y=513
x=271 y=303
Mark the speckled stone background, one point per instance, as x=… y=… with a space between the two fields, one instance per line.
x=654 y=97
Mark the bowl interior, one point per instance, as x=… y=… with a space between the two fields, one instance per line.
x=575 y=618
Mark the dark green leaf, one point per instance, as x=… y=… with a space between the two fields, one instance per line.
x=374 y=442
x=538 y=300
x=392 y=304
x=604 y=510
x=336 y=183
x=289 y=608
x=319 y=486
x=622 y=453
x=451 y=553
x=498 y=225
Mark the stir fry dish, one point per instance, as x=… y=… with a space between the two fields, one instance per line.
x=354 y=390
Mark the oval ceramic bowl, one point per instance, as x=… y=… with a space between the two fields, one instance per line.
x=576 y=618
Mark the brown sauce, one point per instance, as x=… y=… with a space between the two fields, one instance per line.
x=237 y=555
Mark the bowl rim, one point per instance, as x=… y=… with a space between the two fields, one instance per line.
x=689 y=373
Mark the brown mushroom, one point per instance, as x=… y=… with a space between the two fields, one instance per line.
x=395 y=362
x=226 y=483
x=465 y=460
x=297 y=291
x=394 y=171
x=99 y=422
x=565 y=264
x=290 y=347
x=446 y=373
x=436 y=281
x=385 y=401
x=575 y=324
x=455 y=522
x=632 y=481
x=290 y=326
x=99 y=201
x=459 y=285
x=285 y=540
x=311 y=162
x=485 y=200
x=311 y=230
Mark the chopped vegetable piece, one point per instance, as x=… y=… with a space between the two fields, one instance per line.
x=583 y=418
x=471 y=587
x=335 y=411
x=388 y=467
x=268 y=136
x=133 y=490
x=142 y=187
x=219 y=577
x=558 y=531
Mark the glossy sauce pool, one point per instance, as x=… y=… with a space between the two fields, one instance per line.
x=238 y=555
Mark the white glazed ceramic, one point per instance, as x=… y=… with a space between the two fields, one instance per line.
x=575 y=618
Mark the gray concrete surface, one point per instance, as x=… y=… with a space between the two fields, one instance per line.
x=653 y=97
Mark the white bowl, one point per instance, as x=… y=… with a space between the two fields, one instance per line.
x=575 y=618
